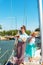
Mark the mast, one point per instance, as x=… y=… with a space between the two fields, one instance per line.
x=41 y=24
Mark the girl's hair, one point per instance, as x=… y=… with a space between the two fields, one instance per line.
x=23 y=27
x=20 y=32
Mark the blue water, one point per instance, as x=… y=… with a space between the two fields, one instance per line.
x=6 y=46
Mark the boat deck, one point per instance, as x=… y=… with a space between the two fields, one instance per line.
x=12 y=60
x=30 y=63
x=27 y=63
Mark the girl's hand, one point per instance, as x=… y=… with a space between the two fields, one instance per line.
x=24 y=39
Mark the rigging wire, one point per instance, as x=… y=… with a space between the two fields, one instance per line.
x=16 y=22
x=25 y=16
x=38 y=12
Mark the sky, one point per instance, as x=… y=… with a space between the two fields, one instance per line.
x=42 y=11
x=15 y=13
x=42 y=4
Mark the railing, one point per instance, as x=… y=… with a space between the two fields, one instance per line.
x=10 y=57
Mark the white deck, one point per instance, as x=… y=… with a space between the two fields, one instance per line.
x=12 y=59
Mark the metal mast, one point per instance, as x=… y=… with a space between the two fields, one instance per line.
x=41 y=24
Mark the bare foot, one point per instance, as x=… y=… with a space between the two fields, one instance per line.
x=42 y=64
x=22 y=64
x=30 y=59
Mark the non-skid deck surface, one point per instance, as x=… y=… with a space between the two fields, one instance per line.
x=30 y=64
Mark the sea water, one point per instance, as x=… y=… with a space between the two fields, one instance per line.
x=6 y=48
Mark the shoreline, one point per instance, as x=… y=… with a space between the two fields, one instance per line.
x=6 y=37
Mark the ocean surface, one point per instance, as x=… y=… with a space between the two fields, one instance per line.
x=6 y=48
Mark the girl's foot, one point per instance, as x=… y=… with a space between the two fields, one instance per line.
x=30 y=59
x=42 y=64
x=22 y=64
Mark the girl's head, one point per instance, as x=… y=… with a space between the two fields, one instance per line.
x=34 y=34
x=23 y=29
